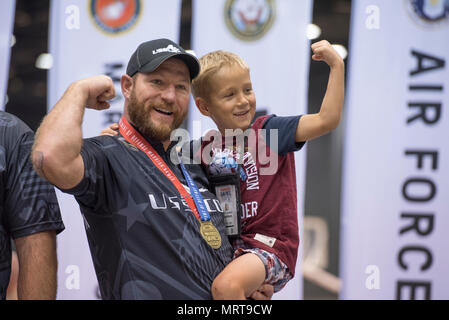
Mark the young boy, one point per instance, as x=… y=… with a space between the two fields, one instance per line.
x=267 y=250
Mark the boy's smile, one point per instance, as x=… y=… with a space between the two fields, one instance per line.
x=231 y=102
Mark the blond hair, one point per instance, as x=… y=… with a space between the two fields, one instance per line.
x=211 y=63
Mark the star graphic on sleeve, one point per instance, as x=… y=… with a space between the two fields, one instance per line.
x=133 y=212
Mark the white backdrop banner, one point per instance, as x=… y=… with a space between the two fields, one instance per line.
x=90 y=37
x=271 y=37
x=395 y=177
x=7 y=10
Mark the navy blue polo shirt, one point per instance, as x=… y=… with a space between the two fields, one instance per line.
x=144 y=239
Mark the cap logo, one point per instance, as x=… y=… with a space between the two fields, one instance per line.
x=169 y=48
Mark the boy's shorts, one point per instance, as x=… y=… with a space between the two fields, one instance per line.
x=277 y=272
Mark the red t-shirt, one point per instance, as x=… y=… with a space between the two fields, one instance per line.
x=268 y=201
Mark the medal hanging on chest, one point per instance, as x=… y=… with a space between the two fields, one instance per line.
x=194 y=201
x=210 y=234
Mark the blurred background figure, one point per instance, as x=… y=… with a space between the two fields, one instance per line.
x=11 y=292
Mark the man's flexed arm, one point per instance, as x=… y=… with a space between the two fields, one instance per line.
x=56 y=151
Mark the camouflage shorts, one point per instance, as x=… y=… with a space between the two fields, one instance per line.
x=277 y=272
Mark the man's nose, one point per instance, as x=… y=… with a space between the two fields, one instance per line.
x=169 y=93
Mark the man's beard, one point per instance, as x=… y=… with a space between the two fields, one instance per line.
x=139 y=115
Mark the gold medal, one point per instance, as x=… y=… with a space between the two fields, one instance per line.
x=210 y=234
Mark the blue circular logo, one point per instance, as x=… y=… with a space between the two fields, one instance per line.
x=429 y=12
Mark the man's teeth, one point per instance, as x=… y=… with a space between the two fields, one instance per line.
x=164 y=111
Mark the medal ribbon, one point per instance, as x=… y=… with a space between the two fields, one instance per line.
x=197 y=197
x=135 y=138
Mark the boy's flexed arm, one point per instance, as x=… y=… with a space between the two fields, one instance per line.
x=311 y=126
x=56 y=150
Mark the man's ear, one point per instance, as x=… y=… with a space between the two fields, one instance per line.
x=127 y=84
x=203 y=106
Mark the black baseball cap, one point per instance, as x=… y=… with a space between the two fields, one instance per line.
x=151 y=54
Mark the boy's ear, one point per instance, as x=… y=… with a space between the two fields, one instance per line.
x=126 y=83
x=202 y=105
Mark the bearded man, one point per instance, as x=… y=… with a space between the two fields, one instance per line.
x=147 y=238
